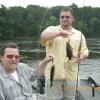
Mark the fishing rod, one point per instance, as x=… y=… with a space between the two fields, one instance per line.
x=76 y=93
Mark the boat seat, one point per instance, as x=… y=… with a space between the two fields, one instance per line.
x=88 y=92
x=94 y=81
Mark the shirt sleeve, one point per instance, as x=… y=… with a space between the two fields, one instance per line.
x=2 y=97
x=83 y=46
x=47 y=42
x=27 y=71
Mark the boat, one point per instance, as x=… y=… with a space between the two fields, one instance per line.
x=88 y=89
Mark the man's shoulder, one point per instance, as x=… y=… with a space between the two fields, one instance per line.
x=24 y=67
x=22 y=64
x=0 y=66
x=1 y=69
x=76 y=31
x=53 y=27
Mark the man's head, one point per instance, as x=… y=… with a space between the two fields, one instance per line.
x=9 y=56
x=66 y=17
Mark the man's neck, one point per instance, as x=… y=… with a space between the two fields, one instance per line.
x=68 y=28
x=9 y=70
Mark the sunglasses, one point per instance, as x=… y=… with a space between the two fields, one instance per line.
x=12 y=56
x=62 y=17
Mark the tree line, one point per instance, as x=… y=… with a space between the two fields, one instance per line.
x=19 y=22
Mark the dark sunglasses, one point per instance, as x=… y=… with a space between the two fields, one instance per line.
x=12 y=56
x=62 y=17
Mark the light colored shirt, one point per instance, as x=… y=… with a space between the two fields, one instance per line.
x=10 y=89
x=64 y=68
x=15 y=75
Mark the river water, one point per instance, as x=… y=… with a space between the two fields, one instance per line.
x=91 y=66
x=32 y=52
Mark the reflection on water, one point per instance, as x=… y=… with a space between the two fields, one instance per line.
x=32 y=52
x=90 y=67
x=32 y=56
x=94 y=47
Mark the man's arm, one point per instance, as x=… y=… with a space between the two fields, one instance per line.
x=51 y=33
x=2 y=97
x=43 y=63
x=81 y=57
x=84 y=52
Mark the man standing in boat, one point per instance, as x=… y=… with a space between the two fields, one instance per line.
x=69 y=48
x=16 y=78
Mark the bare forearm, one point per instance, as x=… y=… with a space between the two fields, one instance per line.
x=49 y=35
x=43 y=63
x=53 y=34
x=41 y=68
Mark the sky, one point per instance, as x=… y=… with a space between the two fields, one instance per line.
x=50 y=3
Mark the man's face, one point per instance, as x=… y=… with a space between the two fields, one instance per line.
x=10 y=59
x=66 y=18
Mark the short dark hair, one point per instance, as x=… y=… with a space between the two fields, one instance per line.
x=8 y=45
x=67 y=9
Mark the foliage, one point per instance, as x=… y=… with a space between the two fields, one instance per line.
x=30 y=21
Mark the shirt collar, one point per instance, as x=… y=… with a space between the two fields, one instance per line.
x=71 y=32
x=3 y=72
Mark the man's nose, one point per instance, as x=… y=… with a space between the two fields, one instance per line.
x=14 y=58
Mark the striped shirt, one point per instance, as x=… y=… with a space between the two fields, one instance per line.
x=10 y=89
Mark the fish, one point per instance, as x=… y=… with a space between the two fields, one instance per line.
x=69 y=51
x=52 y=75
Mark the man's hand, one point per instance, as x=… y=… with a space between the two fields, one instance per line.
x=80 y=57
x=78 y=60
x=48 y=58
x=64 y=33
x=43 y=63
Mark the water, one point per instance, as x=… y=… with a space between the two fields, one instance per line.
x=90 y=67
x=32 y=53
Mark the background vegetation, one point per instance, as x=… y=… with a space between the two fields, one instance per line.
x=19 y=22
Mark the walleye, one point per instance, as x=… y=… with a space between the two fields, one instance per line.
x=69 y=50
x=52 y=74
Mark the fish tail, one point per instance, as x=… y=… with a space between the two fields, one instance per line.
x=51 y=85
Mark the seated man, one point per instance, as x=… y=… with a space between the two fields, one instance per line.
x=16 y=78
